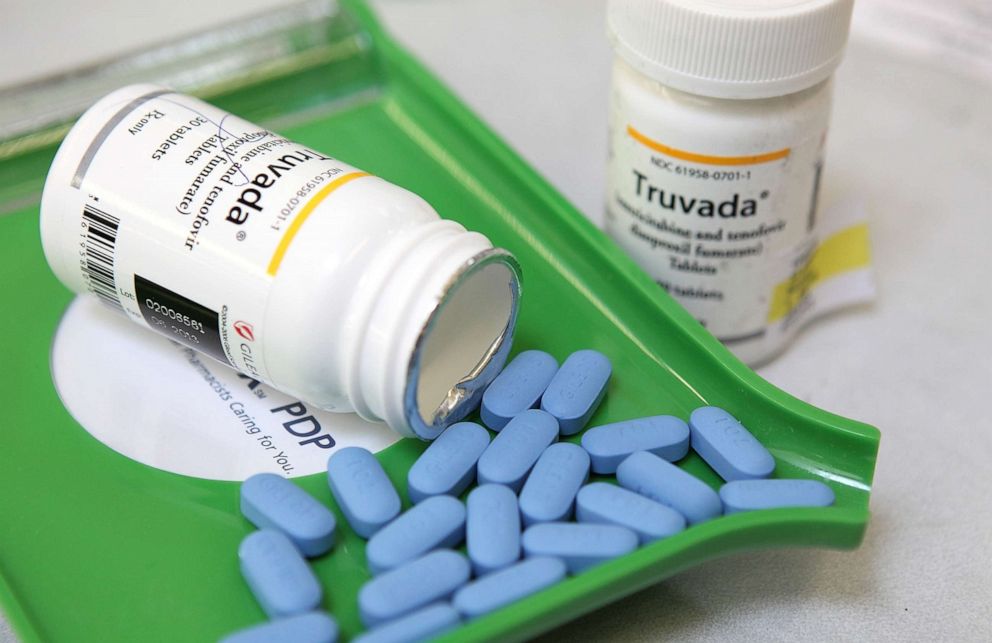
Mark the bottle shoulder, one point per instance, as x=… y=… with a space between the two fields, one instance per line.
x=636 y=97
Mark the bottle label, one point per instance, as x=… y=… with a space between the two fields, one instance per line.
x=731 y=237
x=186 y=214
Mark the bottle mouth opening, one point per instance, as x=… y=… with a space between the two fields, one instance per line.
x=464 y=344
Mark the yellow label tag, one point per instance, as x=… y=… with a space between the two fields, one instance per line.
x=845 y=251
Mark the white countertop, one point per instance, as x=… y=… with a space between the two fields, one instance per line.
x=910 y=138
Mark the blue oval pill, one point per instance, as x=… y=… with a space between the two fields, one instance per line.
x=438 y=522
x=517 y=388
x=749 y=495
x=517 y=447
x=492 y=528
x=509 y=585
x=577 y=389
x=277 y=574
x=423 y=625
x=428 y=579
x=362 y=490
x=727 y=446
x=271 y=501
x=312 y=627
x=666 y=436
x=447 y=466
x=579 y=545
x=663 y=482
x=607 y=503
x=549 y=493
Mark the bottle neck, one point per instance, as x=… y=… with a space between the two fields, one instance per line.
x=432 y=329
x=624 y=72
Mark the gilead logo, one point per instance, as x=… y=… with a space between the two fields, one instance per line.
x=244 y=329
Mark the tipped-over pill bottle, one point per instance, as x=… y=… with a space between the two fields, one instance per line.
x=719 y=113
x=301 y=271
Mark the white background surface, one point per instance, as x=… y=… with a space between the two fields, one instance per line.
x=910 y=137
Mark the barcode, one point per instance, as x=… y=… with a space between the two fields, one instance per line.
x=99 y=246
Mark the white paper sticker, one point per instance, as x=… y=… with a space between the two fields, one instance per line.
x=172 y=408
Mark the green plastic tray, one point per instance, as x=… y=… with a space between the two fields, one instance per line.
x=97 y=547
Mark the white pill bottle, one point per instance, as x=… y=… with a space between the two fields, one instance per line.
x=328 y=283
x=719 y=114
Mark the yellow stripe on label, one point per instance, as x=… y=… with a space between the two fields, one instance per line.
x=706 y=159
x=311 y=205
x=845 y=251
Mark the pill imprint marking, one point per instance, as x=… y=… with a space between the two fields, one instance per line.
x=278 y=575
x=448 y=465
x=727 y=446
x=549 y=492
x=513 y=452
x=437 y=522
x=751 y=495
x=517 y=388
x=271 y=501
x=428 y=579
x=492 y=529
x=362 y=490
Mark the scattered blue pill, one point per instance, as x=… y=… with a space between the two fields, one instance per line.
x=277 y=574
x=727 y=446
x=579 y=545
x=428 y=579
x=492 y=528
x=435 y=523
x=577 y=389
x=750 y=495
x=423 y=625
x=270 y=501
x=517 y=388
x=514 y=451
x=549 y=493
x=663 y=482
x=362 y=490
x=509 y=585
x=666 y=436
x=312 y=627
x=609 y=504
x=447 y=466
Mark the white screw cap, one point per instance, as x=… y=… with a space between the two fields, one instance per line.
x=731 y=48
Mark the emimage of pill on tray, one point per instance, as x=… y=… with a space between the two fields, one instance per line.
x=334 y=346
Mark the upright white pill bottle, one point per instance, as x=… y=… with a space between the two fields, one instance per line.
x=719 y=114
x=294 y=268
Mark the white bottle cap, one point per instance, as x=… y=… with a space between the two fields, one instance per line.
x=731 y=48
